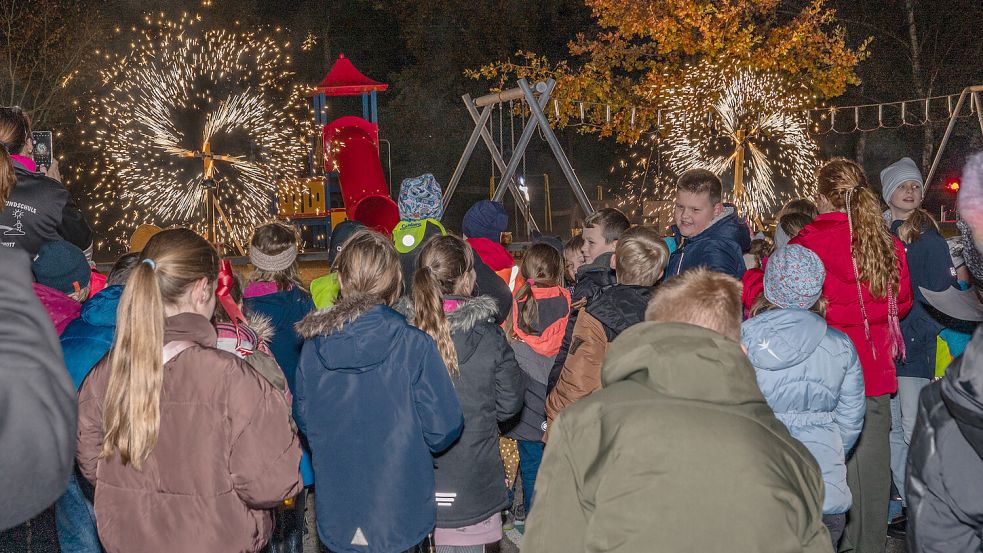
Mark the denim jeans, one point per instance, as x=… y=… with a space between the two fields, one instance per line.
x=530 y=455
x=904 y=409
x=75 y=520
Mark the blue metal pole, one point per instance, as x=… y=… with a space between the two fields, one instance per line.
x=365 y=106
x=375 y=107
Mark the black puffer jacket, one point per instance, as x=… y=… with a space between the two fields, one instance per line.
x=592 y=279
x=620 y=307
x=41 y=210
x=470 y=475
x=945 y=460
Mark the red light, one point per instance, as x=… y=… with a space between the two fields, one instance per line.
x=952 y=186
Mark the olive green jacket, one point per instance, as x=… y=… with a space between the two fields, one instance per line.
x=677 y=452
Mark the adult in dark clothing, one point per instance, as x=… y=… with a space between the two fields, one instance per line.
x=945 y=460
x=709 y=233
x=929 y=267
x=37 y=400
x=38 y=208
x=601 y=232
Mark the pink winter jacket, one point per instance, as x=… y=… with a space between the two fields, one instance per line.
x=61 y=308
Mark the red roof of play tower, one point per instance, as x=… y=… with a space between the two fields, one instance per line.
x=345 y=80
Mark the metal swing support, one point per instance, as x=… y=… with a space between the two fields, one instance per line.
x=971 y=92
x=537 y=120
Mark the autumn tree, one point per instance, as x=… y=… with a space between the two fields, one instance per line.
x=641 y=48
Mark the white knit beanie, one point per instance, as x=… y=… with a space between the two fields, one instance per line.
x=898 y=173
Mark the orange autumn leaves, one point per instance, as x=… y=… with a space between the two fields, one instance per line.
x=641 y=48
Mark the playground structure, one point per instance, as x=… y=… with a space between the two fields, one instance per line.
x=537 y=120
x=348 y=151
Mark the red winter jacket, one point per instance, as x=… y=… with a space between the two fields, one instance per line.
x=753 y=286
x=829 y=237
x=492 y=253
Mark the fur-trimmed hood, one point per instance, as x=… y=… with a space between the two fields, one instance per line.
x=469 y=311
x=355 y=335
x=332 y=319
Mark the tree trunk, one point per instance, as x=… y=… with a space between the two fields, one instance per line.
x=928 y=133
x=861 y=148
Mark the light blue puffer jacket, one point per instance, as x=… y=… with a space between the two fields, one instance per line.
x=811 y=377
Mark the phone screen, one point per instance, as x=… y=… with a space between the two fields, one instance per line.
x=43 y=150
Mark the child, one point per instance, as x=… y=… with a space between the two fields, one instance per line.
x=868 y=291
x=324 y=289
x=808 y=371
x=639 y=260
x=539 y=318
x=678 y=451
x=172 y=426
x=709 y=233
x=274 y=290
x=375 y=401
x=62 y=278
x=573 y=260
x=489 y=386
x=788 y=227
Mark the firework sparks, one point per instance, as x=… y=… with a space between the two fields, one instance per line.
x=186 y=105
x=757 y=119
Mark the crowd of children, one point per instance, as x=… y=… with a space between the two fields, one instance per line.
x=652 y=398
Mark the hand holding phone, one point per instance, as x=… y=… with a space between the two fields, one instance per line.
x=43 y=150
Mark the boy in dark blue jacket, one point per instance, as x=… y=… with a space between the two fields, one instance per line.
x=709 y=233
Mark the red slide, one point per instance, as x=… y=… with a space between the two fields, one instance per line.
x=353 y=147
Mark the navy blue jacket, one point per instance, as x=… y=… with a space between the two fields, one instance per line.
x=88 y=339
x=375 y=402
x=930 y=266
x=284 y=309
x=720 y=247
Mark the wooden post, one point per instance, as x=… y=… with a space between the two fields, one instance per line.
x=739 y=167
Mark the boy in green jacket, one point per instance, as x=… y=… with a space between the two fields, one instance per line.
x=678 y=451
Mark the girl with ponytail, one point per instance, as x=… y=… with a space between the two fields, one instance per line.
x=186 y=445
x=489 y=387
x=375 y=401
x=930 y=264
x=536 y=326
x=868 y=291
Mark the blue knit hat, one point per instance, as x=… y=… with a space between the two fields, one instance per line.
x=794 y=277
x=61 y=265
x=486 y=219
x=419 y=199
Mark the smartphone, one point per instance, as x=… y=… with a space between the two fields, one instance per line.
x=43 y=151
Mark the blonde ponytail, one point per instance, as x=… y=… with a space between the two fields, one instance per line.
x=172 y=261
x=131 y=417
x=911 y=229
x=444 y=264
x=428 y=303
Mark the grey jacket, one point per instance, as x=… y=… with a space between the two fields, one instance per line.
x=37 y=400
x=945 y=460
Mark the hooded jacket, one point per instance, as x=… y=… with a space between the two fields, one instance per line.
x=87 y=339
x=720 y=247
x=535 y=349
x=617 y=309
x=829 y=237
x=38 y=425
x=61 y=308
x=284 y=310
x=945 y=459
x=592 y=279
x=492 y=253
x=678 y=452
x=39 y=210
x=470 y=475
x=375 y=402
x=225 y=454
x=930 y=267
x=811 y=378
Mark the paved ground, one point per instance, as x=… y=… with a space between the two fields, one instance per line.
x=39 y=537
